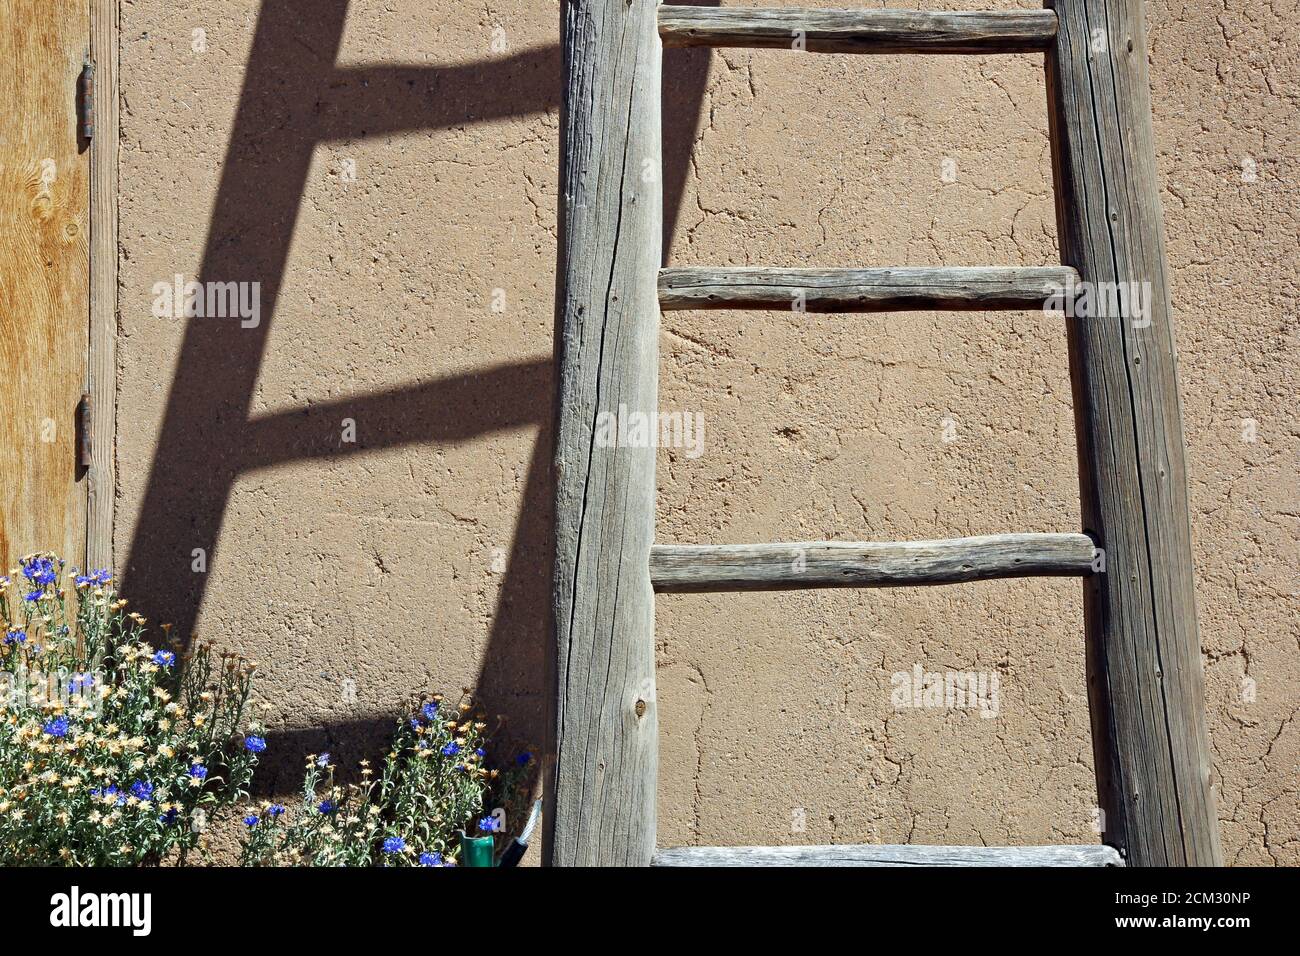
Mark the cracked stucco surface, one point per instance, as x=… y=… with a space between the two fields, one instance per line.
x=415 y=562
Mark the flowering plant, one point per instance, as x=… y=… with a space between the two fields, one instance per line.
x=434 y=783
x=112 y=752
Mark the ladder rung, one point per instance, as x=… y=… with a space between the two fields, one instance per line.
x=859 y=31
x=863 y=290
x=1096 y=855
x=830 y=564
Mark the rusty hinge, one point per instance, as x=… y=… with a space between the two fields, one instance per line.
x=84 y=423
x=86 y=99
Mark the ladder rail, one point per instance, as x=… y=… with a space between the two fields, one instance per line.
x=607 y=339
x=1145 y=676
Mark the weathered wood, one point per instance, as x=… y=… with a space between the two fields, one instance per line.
x=607 y=325
x=862 y=290
x=44 y=177
x=101 y=368
x=888 y=856
x=841 y=564
x=1144 y=657
x=858 y=31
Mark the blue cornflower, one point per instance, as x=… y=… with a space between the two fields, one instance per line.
x=323 y=761
x=116 y=795
x=430 y=859
x=199 y=772
x=394 y=845
x=451 y=749
x=254 y=744
x=251 y=820
x=16 y=637
x=40 y=571
x=489 y=824
x=164 y=658
x=415 y=724
x=327 y=806
x=480 y=752
x=80 y=682
x=523 y=758
x=142 y=790
x=275 y=809
x=56 y=727
x=101 y=576
x=32 y=596
x=169 y=817
x=430 y=710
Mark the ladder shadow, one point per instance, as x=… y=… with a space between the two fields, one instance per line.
x=294 y=98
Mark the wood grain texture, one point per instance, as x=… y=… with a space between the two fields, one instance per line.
x=101 y=371
x=607 y=325
x=858 y=31
x=888 y=856
x=1144 y=658
x=43 y=276
x=838 y=564
x=862 y=290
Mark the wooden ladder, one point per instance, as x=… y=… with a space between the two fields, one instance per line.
x=1145 y=678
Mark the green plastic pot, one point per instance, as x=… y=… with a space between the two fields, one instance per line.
x=476 y=850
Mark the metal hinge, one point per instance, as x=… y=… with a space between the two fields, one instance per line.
x=84 y=422
x=86 y=99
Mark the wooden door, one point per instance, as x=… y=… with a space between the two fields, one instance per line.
x=44 y=277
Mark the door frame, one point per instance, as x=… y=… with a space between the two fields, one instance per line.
x=101 y=359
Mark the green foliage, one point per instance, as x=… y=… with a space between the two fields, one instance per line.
x=116 y=752
x=112 y=752
x=434 y=783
